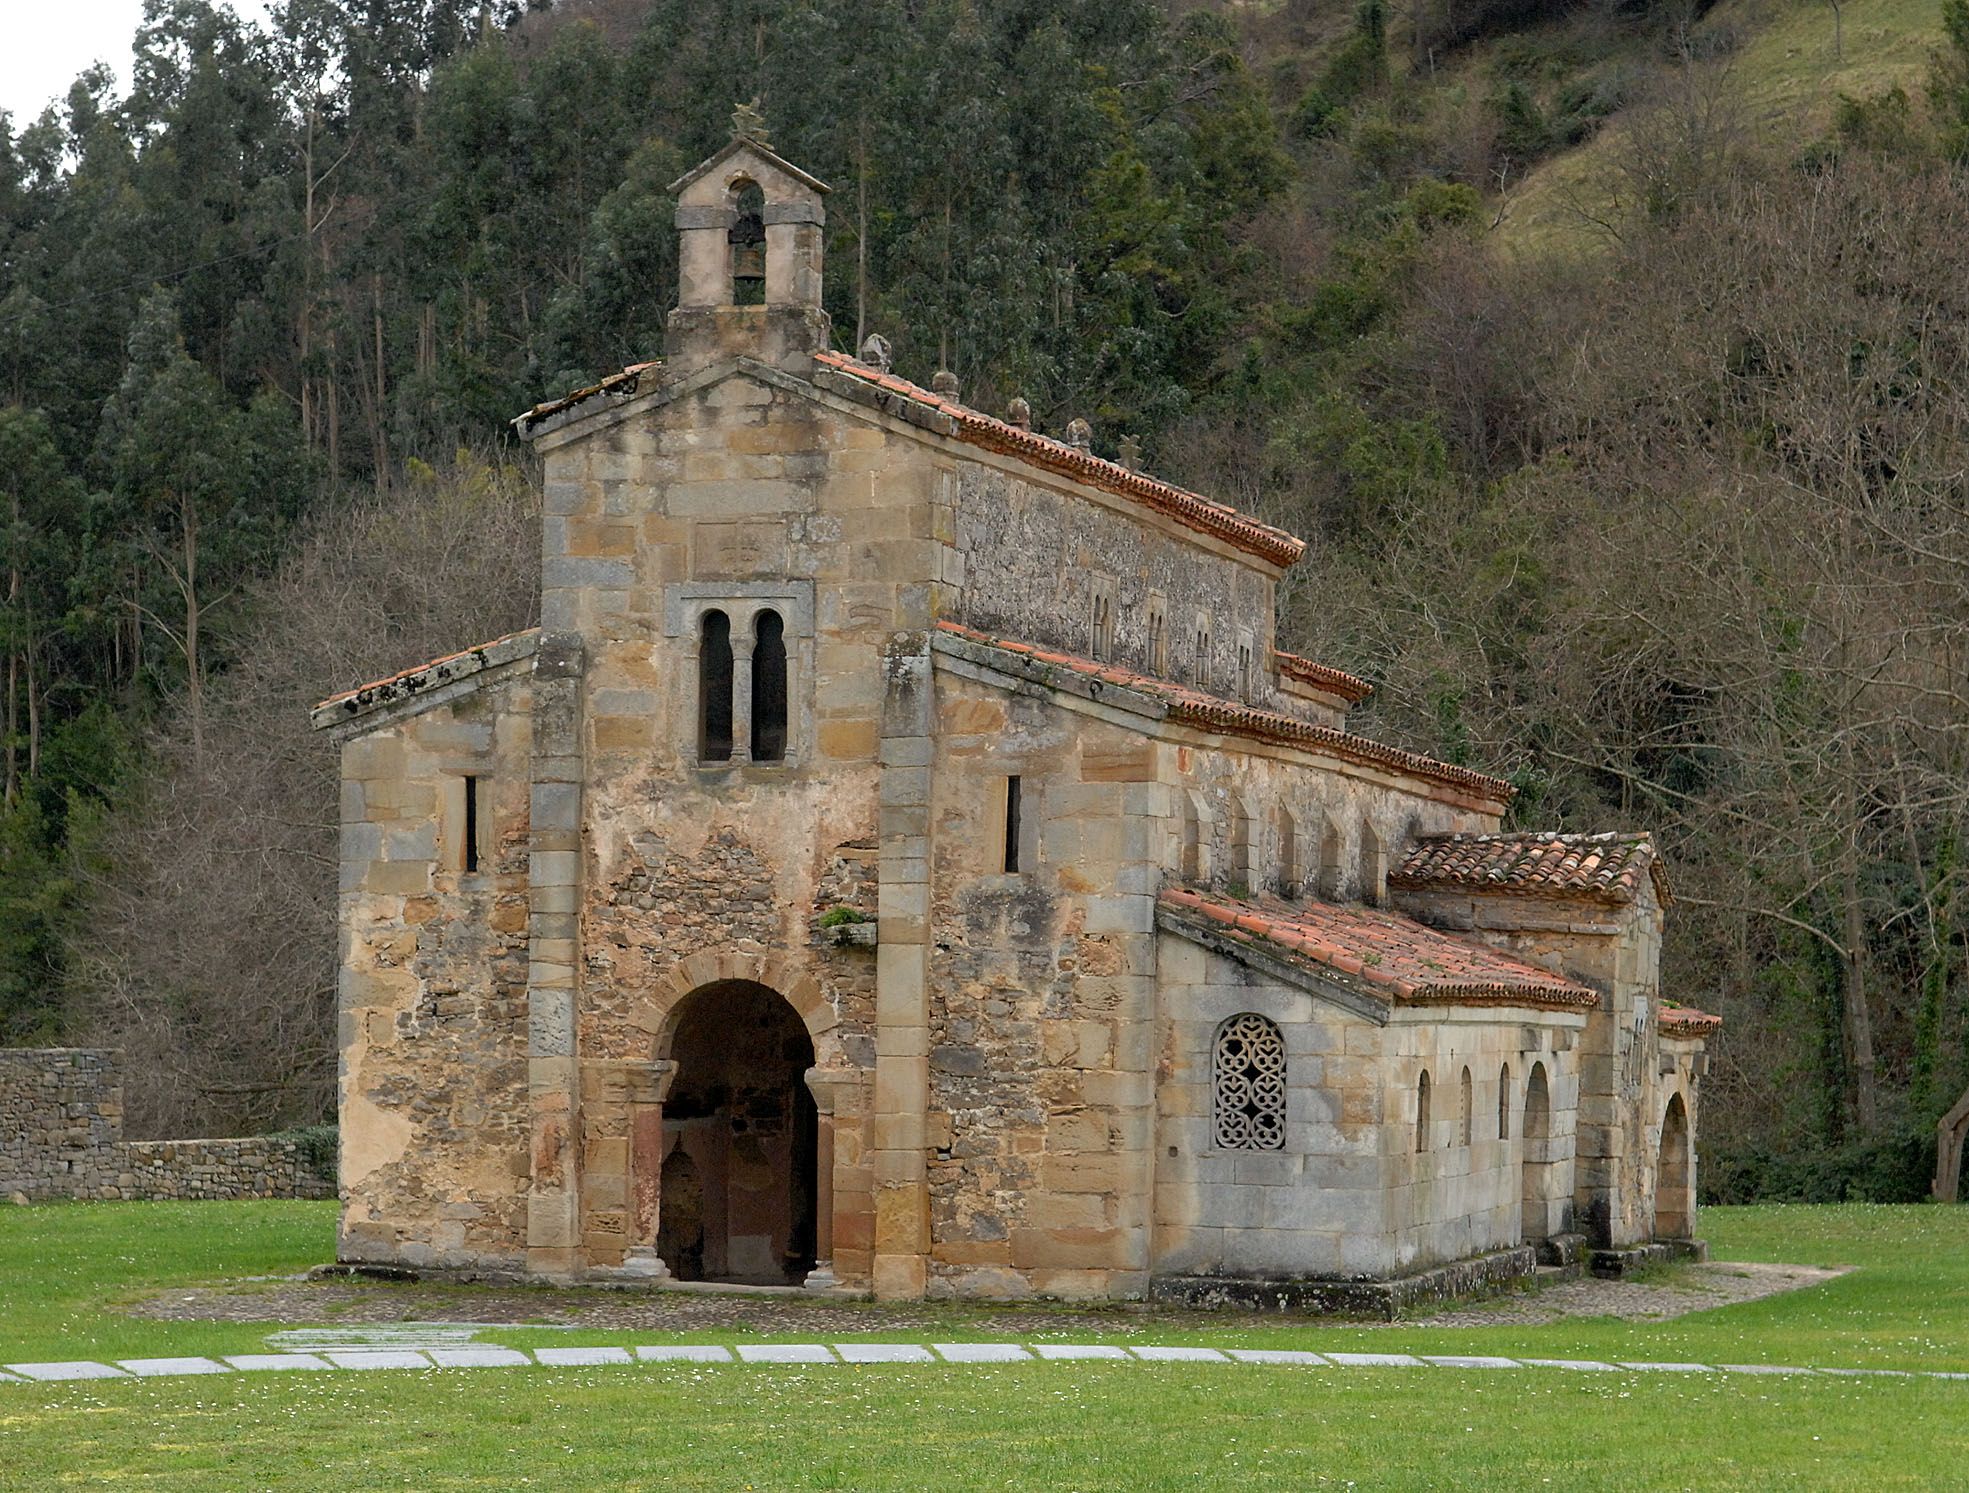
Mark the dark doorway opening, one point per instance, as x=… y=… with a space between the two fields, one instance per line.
x=741 y=1131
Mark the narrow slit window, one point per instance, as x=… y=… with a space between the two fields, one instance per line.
x=714 y=689
x=769 y=689
x=1158 y=651
x=1422 y=1112
x=469 y=849
x=1012 y=808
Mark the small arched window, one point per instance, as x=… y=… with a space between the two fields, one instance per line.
x=1467 y=1104
x=1286 y=835
x=1422 y=1112
x=1504 y=1102
x=1374 y=866
x=1243 y=872
x=1194 y=862
x=714 y=689
x=1247 y=1106
x=1332 y=875
x=768 y=688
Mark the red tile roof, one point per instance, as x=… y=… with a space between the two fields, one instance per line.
x=1604 y=867
x=1400 y=960
x=1687 y=1021
x=425 y=676
x=978 y=429
x=1211 y=712
x=1319 y=676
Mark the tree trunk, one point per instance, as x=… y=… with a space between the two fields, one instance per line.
x=194 y=673
x=1858 y=1022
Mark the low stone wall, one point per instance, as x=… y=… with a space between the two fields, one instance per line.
x=61 y=1136
x=250 y=1167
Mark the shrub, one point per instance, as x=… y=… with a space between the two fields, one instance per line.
x=1894 y=1168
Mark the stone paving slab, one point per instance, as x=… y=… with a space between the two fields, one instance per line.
x=1277 y=1355
x=1068 y=1351
x=78 y=1369
x=1375 y=1360
x=884 y=1353
x=981 y=1352
x=1469 y=1361
x=486 y=1355
x=152 y=1368
x=685 y=1353
x=581 y=1358
x=785 y=1353
x=486 y=1358
x=380 y=1359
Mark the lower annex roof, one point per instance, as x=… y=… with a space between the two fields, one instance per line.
x=1396 y=958
x=1231 y=717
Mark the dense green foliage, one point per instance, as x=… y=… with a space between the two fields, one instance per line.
x=1638 y=522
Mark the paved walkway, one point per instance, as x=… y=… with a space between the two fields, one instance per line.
x=487 y=1356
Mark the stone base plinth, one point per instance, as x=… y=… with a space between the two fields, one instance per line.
x=1480 y=1275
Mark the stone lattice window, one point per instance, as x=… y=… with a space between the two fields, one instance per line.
x=1248 y=1097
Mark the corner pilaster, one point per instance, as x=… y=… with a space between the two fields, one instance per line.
x=553 y=1208
x=902 y=977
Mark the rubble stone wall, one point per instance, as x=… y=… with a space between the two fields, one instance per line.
x=61 y=1136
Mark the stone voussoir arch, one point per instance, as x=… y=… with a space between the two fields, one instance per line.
x=656 y=1014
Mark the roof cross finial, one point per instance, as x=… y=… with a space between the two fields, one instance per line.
x=748 y=123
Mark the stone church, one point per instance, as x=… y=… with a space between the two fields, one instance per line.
x=902 y=861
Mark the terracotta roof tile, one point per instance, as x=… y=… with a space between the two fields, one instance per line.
x=1403 y=961
x=1348 y=686
x=1211 y=712
x=1604 y=867
x=978 y=429
x=425 y=676
x=1687 y=1021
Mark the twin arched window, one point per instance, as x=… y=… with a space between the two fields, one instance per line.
x=1247 y=1106
x=717 y=691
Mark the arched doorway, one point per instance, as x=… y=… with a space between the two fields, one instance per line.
x=1674 y=1204
x=739 y=1140
x=1537 y=1164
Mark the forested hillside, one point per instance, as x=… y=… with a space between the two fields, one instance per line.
x=1612 y=356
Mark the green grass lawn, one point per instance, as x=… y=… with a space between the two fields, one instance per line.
x=64 y=1269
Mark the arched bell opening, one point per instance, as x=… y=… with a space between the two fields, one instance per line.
x=740 y=1140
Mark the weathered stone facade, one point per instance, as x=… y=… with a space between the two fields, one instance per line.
x=852 y=878
x=61 y=1136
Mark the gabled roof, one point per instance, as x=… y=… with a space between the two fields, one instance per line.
x=624 y=385
x=1166 y=699
x=1604 y=867
x=977 y=429
x=1348 y=687
x=746 y=144
x=424 y=679
x=1381 y=953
